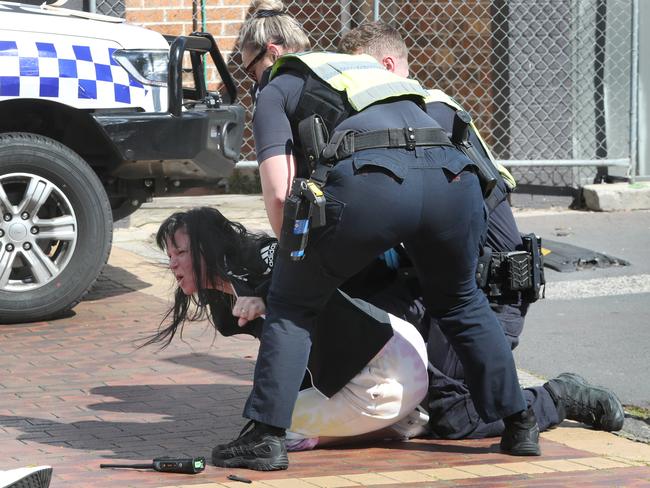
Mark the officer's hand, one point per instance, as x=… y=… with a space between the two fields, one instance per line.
x=247 y=309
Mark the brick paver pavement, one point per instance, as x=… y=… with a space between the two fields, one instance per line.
x=77 y=391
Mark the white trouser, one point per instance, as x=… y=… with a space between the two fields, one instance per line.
x=389 y=388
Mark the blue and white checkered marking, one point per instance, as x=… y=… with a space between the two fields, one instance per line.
x=84 y=76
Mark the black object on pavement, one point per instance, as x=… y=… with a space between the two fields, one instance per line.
x=167 y=465
x=566 y=258
x=234 y=477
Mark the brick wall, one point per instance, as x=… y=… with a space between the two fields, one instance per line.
x=175 y=17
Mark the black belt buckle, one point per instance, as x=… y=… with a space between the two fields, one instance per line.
x=409 y=138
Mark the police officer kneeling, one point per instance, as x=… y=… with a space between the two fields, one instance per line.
x=389 y=174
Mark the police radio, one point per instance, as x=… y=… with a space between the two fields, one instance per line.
x=304 y=208
x=167 y=465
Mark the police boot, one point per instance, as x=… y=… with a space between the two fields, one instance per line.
x=259 y=446
x=521 y=435
x=577 y=400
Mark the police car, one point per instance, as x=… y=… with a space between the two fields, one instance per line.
x=96 y=116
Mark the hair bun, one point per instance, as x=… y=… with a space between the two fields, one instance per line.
x=267 y=8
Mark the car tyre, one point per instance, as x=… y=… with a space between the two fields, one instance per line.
x=55 y=229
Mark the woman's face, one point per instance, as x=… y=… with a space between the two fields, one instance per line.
x=180 y=263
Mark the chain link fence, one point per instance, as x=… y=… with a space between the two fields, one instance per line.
x=114 y=8
x=549 y=83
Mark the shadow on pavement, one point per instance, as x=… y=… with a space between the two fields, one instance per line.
x=191 y=419
x=124 y=440
x=114 y=281
x=140 y=421
x=214 y=364
x=137 y=421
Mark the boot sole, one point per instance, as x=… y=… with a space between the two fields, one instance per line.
x=37 y=479
x=527 y=449
x=255 y=464
x=619 y=419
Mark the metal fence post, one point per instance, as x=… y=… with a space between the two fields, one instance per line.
x=634 y=93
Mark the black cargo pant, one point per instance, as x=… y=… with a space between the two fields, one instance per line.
x=426 y=199
x=451 y=410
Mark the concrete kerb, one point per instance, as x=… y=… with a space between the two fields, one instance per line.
x=617 y=196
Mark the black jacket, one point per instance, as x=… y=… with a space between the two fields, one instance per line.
x=348 y=334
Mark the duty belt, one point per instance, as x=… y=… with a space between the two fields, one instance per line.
x=345 y=143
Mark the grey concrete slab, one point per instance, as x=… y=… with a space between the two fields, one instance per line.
x=617 y=196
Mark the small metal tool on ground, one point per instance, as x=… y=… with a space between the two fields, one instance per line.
x=234 y=477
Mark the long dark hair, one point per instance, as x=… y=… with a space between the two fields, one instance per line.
x=223 y=246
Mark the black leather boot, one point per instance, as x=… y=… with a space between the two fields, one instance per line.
x=521 y=435
x=259 y=446
x=577 y=400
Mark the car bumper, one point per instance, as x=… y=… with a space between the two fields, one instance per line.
x=198 y=144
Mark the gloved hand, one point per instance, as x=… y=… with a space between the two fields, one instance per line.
x=391 y=258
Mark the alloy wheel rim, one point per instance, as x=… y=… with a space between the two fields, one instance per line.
x=38 y=231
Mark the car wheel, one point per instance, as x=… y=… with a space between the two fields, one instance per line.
x=55 y=228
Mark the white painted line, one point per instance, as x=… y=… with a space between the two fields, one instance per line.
x=599 y=287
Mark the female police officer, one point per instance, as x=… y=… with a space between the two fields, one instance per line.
x=395 y=178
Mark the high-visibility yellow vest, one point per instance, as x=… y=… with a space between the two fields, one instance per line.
x=440 y=96
x=361 y=77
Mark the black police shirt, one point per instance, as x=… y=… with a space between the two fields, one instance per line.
x=277 y=101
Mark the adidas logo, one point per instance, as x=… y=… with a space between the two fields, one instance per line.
x=268 y=255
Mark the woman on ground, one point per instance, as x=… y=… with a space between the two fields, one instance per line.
x=367 y=373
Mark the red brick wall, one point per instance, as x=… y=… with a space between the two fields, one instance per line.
x=223 y=17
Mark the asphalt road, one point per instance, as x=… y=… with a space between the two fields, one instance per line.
x=595 y=322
